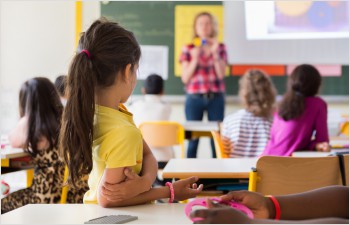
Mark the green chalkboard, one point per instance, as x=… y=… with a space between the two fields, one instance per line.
x=153 y=24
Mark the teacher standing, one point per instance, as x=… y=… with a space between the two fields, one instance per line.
x=203 y=70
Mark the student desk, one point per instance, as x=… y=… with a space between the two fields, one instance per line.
x=319 y=154
x=12 y=153
x=209 y=168
x=216 y=175
x=79 y=213
x=338 y=145
x=196 y=129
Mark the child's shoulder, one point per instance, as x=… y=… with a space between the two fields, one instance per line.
x=125 y=131
x=316 y=100
x=236 y=115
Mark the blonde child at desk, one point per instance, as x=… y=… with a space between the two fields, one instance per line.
x=300 y=114
x=99 y=136
x=246 y=132
x=37 y=133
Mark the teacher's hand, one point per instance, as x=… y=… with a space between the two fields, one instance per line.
x=214 y=46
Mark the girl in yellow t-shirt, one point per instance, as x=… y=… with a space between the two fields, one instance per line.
x=99 y=136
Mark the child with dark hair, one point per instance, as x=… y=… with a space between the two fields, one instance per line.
x=99 y=137
x=60 y=84
x=153 y=108
x=301 y=114
x=37 y=132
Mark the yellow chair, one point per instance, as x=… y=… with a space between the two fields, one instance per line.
x=219 y=149
x=163 y=134
x=344 y=128
x=287 y=175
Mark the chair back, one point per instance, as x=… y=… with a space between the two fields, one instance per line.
x=288 y=175
x=219 y=149
x=346 y=169
x=163 y=134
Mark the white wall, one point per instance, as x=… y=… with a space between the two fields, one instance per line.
x=37 y=38
x=91 y=12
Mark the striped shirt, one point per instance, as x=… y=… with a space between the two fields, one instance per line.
x=249 y=133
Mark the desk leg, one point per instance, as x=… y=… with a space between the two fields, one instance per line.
x=30 y=176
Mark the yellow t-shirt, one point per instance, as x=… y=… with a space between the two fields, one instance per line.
x=117 y=143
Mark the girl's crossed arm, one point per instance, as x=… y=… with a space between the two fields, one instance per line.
x=183 y=189
x=132 y=184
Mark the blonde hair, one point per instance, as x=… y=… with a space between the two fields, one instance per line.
x=257 y=93
x=214 y=24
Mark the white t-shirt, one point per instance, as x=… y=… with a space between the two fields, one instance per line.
x=249 y=133
x=153 y=108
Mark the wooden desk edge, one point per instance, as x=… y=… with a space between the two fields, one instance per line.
x=206 y=175
x=15 y=155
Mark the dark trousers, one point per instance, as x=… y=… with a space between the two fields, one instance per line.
x=195 y=106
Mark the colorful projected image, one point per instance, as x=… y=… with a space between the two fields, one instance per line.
x=310 y=16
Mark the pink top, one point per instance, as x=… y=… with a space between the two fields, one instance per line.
x=297 y=134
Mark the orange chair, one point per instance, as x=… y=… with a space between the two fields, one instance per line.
x=163 y=134
x=219 y=149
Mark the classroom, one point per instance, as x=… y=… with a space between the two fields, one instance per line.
x=112 y=110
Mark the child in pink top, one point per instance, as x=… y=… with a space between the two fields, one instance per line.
x=301 y=120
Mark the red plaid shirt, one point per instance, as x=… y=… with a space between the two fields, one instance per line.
x=204 y=79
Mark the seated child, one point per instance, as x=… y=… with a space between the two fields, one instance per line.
x=300 y=114
x=153 y=108
x=246 y=132
x=99 y=137
x=328 y=205
x=37 y=133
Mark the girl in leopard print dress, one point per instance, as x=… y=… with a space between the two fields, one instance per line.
x=37 y=133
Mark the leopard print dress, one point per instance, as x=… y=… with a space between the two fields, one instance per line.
x=47 y=184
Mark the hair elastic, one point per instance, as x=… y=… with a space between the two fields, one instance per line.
x=172 y=194
x=86 y=52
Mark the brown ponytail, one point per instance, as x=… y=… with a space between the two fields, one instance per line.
x=304 y=81
x=111 y=49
